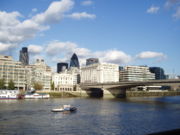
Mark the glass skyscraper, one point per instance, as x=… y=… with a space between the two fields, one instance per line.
x=74 y=61
x=24 y=56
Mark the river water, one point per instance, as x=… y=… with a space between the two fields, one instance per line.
x=134 y=116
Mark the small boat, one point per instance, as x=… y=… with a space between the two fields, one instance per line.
x=36 y=96
x=65 y=108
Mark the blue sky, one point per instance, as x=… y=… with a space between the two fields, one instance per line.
x=125 y=32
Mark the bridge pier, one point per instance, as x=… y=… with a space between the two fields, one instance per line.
x=114 y=93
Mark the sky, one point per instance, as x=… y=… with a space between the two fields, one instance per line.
x=124 y=32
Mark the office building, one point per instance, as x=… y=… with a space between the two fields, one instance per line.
x=100 y=73
x=159 y=73
x=136 y=73
x=91 y=61
x=12 y=70
x=62 y=67
x=74 y=62
x=39 y=73
x=62 y=82
x=24 y=56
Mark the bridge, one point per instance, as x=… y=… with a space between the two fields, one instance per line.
x=118 y=89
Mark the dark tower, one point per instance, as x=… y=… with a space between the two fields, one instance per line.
x=61 y=67
x=74 y=61
x=159 y=73
x=24 y=56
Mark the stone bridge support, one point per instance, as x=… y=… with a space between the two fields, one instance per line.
x=114 y=93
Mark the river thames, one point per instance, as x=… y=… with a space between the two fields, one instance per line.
x=133 y=116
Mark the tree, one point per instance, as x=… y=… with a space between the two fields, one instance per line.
x=37 y=86
x=2 y=84
x=52 y=85
x=11 y=85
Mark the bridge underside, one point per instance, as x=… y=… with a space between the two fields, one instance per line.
x=107 y=93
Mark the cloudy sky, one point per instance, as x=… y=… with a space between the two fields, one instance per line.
x=125 y=32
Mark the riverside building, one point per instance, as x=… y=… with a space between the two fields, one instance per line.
x=62 y=81
x=136 y=73
x=100 y=73
x=39 y=73
x=91 y=61
x=12 y=70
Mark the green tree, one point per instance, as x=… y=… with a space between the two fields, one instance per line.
x=11 y=85
x=52 y=85
x=37 y=86
x=2 y=84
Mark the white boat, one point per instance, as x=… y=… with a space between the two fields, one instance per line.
x=36 y=96
x=65 y=108
x=9 y=94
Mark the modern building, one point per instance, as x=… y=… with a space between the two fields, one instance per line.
x=62 y=82
x=91 y=61
x=24 y=56
x=159 y=73
x=76 y=74
x=12 y=70
x=136 y=73
x=74 y=62
x=100 y=73
x=62 y=67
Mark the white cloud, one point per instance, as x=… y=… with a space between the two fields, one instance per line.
x=54 y=13
x=87 y=3
x=6 y=47
x=56 y=47
x=150 y=54
x=62 y=51
x=153 y=10
x=170 y=3
x=177 y=14
x=35 y=49
x=82 y=15
x=13 y=31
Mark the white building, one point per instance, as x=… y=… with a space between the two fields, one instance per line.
x=39 y=73
x=62 y=81
x=100 y=73
x=12 y=70
x=136 y=73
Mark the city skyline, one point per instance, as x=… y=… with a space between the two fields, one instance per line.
x=120 y=32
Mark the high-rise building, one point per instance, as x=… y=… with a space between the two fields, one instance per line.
x=159 y=73
x=91 y=61
x=136 y=73
x=23 y=56
x=62 y=67
x=74 y=61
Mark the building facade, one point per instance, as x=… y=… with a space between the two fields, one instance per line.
x=39 y=73
x=24 y=56
x=136 y=73
x=12 y=70
x=62 y=67
x=62 y=82
x=100 y=73
x=91 y=61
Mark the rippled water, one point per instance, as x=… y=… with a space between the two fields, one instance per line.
x=134 y=116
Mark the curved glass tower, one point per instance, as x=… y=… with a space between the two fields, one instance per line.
x=74 y=61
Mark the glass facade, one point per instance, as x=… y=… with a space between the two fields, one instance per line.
x=74 y=61
x=159 y=72
x=61 y=67
x=24 y=56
